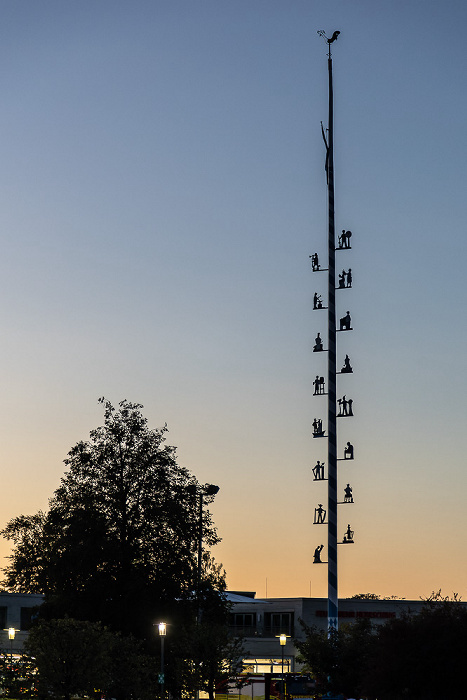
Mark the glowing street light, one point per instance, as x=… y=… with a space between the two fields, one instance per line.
x=162 y=633
x=283 y=642
x=11 y=635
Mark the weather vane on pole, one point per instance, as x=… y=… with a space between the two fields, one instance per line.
x=322 y=33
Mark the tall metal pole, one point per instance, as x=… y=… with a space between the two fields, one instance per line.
x=332 y=403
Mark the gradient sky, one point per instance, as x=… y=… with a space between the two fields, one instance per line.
x=162 y=186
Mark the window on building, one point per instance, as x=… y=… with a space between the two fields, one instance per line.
x=279 y=623
x=27 y=618
x=243 y=623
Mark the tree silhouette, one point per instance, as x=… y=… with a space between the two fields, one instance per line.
x=119 y=541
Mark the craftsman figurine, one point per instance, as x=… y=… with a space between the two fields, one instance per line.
x=318 y=344
x=345 y=407
x=348 y=537
x=317 y=554
x=348 y=497
x=346 y=368
x=345 y=279
x=319 y=386
x=314 y=262
x=348 y=451
x=345 y=322
x=318 y=471
x=344 y=239
x=320 y=515
x=318 y=427
x=317 y=301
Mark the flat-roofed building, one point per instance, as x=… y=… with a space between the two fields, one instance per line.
x=262 y=621
x=17 y=611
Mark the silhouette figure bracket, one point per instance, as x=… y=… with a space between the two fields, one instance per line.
x=345 y=407
x=343 y=241
x=318 y=428
x=348 y=536
x=347 y=368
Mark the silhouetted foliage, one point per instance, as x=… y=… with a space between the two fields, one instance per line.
x=119 y=541
x=338 y=661
x=204 y=652
x=417 y=656
x=421 y=656
x=372 y=596
x=76 y=657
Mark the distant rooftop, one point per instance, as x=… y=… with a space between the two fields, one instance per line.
x=242 y=597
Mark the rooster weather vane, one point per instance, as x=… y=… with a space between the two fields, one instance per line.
x=322 y=33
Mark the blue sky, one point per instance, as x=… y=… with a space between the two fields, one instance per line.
x=162 y=186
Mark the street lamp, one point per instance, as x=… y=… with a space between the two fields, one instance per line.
x=283 y=642
x=11 y=635
x=162 y=632
x=206 y=490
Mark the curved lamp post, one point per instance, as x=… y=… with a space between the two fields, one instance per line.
x=206 y=490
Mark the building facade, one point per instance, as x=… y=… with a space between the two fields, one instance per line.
x=17 y=611
x=261 y=621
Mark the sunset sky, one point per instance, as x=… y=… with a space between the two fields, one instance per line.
x=161 y=189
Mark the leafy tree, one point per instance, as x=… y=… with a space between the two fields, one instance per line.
x=338 y=661
x=71 y=657
x=119 y=541
x=77 y=657
x=416 y=656
x=373 y=596
x=204 y=652
x=365 y=596
x=133 y=673
x=421 y=656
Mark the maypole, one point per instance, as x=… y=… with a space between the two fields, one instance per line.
x=332 y=398
x=345 y=405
